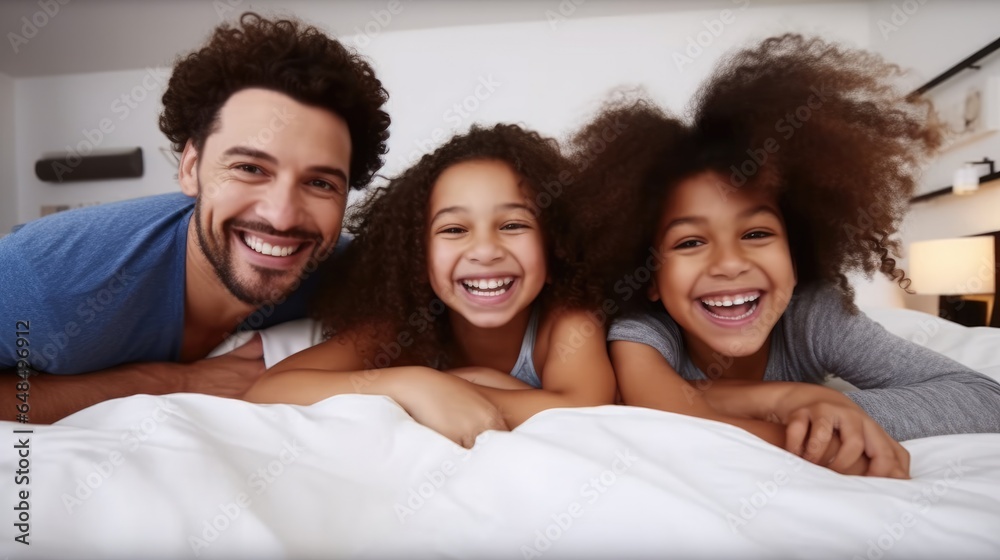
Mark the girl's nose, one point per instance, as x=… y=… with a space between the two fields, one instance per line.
x=485 y=249
x=728 y=261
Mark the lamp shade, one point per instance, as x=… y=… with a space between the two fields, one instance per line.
x=964 y=265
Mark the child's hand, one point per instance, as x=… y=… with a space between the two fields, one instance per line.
x=487 y=377
x=449 y=405
x=842 y=437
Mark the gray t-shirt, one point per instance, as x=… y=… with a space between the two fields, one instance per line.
x=909 y=390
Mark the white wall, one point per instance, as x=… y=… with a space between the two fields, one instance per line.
x=8 y=157
x=65 y=114
x=929 y=40
x=549 y=73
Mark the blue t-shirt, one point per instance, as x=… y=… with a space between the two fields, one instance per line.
x=102 y=286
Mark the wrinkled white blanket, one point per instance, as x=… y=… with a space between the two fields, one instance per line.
x=354 y=476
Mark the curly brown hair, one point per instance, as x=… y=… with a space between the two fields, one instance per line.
x=380 y=284
x=288 y=57
x=821 y=127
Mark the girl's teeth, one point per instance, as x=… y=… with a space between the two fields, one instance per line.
x=738 y=317
x=727 y=302
x=488 y=283
x=488 y=287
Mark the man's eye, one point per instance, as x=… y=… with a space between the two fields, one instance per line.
x=325 y=185
x=247 y=168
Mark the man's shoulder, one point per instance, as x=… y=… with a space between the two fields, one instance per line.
x=90 y=276
x=78 y=238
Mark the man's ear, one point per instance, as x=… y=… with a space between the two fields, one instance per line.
x=187 y=170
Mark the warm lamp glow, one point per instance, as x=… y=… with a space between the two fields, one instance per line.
x=953 y=266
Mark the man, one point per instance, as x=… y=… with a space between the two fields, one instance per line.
x=274 y=122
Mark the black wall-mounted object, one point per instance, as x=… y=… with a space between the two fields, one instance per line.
x=123 y=165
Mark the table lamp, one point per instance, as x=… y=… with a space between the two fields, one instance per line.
x=952 y=268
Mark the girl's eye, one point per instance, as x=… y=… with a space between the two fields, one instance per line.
x=689 y=244
x=513 y=226
x=453 y=230
x=758 y=235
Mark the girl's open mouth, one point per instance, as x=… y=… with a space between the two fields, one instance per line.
x=732 y=310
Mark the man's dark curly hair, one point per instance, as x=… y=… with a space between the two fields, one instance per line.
x=820 y=126
x=380 y=283
x=284 y=56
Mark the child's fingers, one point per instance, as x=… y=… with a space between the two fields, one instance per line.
x=904 y=459
x=881 y=449
x=852 y=444
x=820 y=435
x=796 y=432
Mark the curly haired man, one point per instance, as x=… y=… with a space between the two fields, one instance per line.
x=274 y=122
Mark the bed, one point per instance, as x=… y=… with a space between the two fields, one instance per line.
x=193 y=476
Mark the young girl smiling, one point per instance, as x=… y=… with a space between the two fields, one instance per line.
x=466 y=288
x=796 y=169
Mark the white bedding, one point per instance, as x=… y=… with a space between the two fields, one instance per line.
x=354 y=476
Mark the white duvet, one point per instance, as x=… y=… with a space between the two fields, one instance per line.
x=186 y=476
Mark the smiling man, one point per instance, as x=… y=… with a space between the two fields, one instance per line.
x=274 y=122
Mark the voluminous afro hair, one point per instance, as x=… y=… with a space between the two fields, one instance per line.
x=379 y=286
x=820 y=126
x=284 y=56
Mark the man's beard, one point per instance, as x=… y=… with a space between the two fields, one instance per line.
x=255 y=292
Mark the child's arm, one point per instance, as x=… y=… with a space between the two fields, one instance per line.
x=444 y=403
x=487 y=377
x=911 y=391
x=646 y=379
x=815 y=417
x=576 y=372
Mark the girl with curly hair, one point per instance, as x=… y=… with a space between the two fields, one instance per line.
x=795 y=170
x=466 y=295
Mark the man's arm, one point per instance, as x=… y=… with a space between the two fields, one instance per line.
x=53 y=397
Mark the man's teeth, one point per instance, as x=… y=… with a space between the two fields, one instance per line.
x=729 y=301
x=258 y=245
x=488 y=286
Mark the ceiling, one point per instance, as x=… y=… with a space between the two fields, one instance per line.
x=86 y=36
